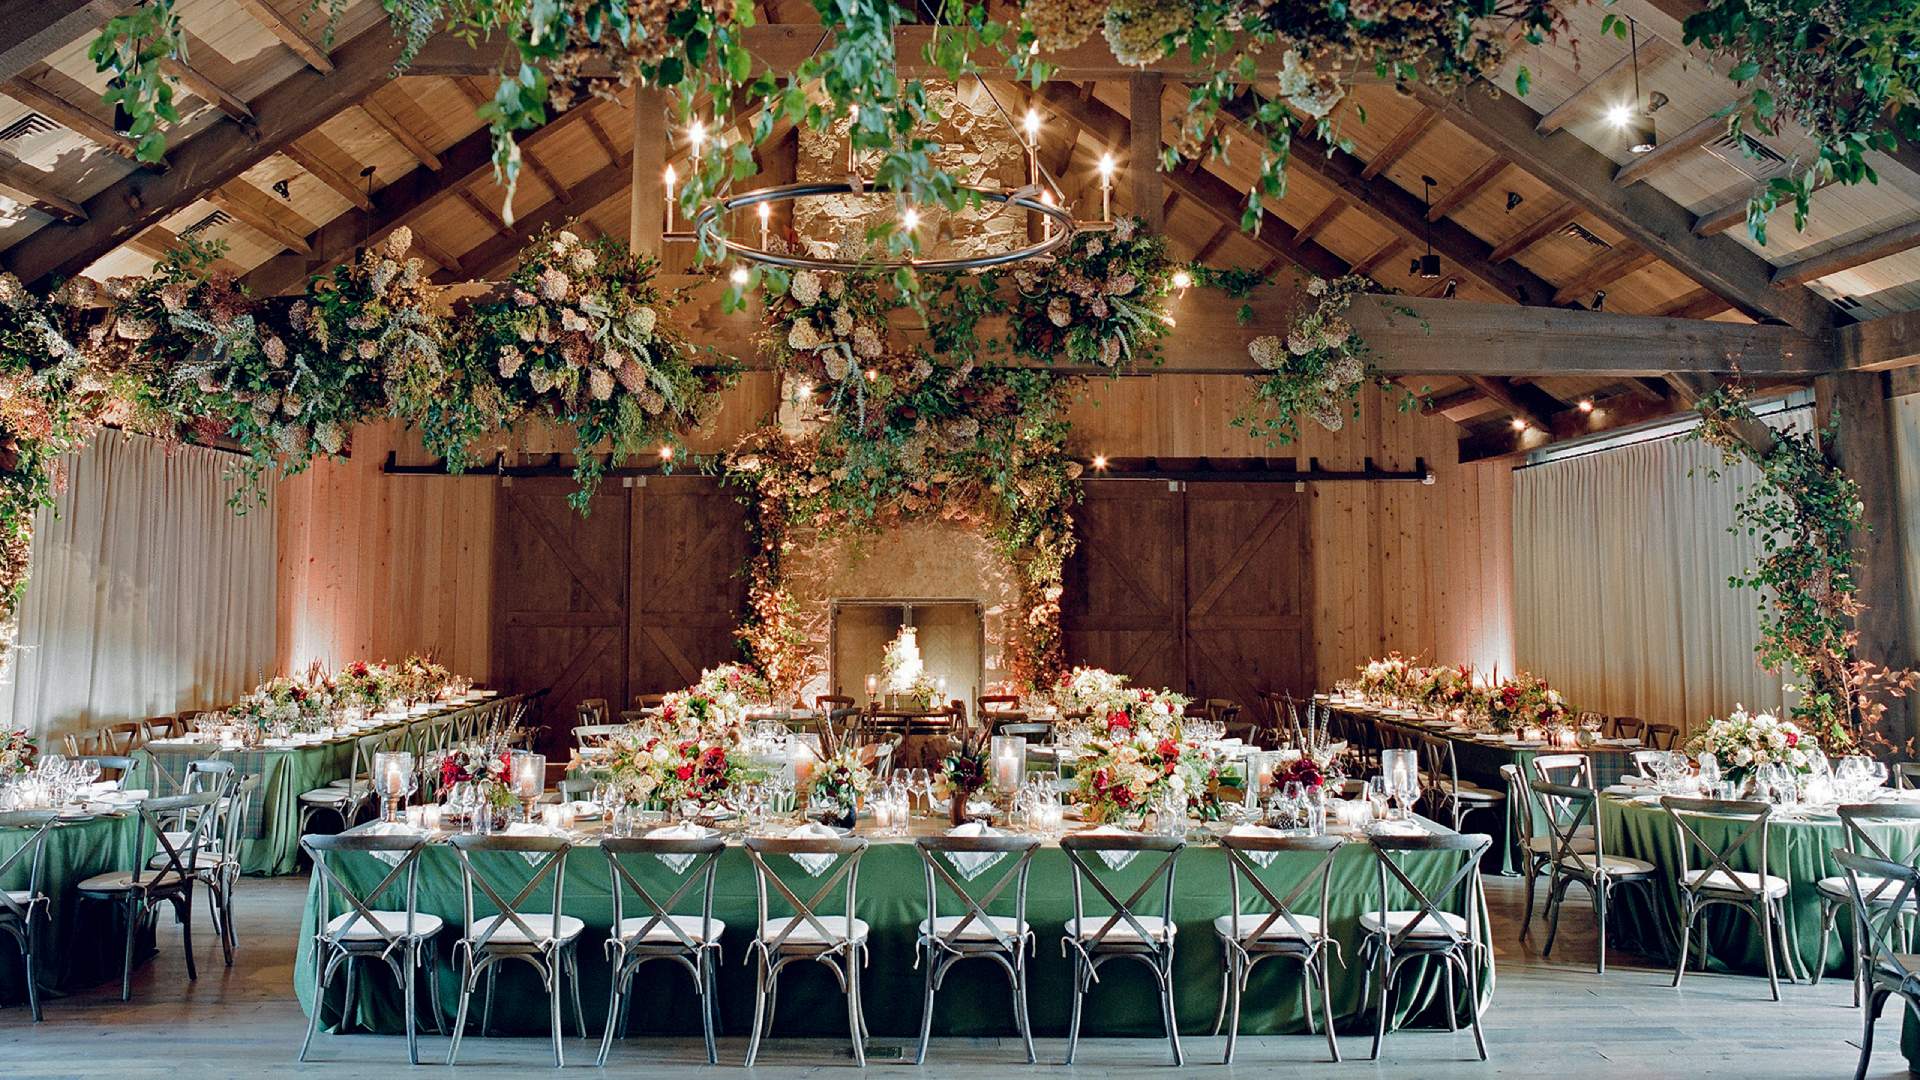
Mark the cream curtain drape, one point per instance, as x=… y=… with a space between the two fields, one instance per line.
x=147 y=594
x=1621 y=561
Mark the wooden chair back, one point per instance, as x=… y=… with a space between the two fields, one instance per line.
x=593 y=710
x=123 y=738
x=634 y=861
x=545 y=862
x=975 y=897
x=1245 y=855
x=648 y=701
x=771 y=873
x=1752 y=837
x=1095 y=872
x=1460 y=889
x=1628 y=727
x=31 y=853
x=1660 y=736
x=401 y=851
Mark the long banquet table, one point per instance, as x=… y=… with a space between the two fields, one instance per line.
x=892 y=899
x=271 y=845
x=82 y=943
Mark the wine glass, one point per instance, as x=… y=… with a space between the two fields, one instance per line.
x=1709 y=772
x=1380 y=795
x=920 y=781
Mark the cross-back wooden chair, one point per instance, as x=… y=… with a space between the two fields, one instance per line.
x=1884 y=894
x=1126 y=932
x=1391 y=935
x=544 y=941
x=1452 y=798
x=112 y=766
x=404 y=939
x=166 y=727
x=1282 y=728
x=837 y=942
x=1628 y=727
x=996 y=703
x=597 y=734
x=1660 y=735
x=977 y=932
x=648 y=701
x=1572 y=814
x=662 y=931
x=1278 y=928
x=123 y=738
x=25 y=866
x=1860 y=819
x=346 y=801
x=142 y=890
x=1760 y=894
x=593 y=710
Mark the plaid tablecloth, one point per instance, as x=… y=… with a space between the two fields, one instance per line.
x=167 y=774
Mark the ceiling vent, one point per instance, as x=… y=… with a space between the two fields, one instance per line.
x=1581 y=232
x=27 y=127
x=211 y=221
x=1846 y=303
x=1749 y=155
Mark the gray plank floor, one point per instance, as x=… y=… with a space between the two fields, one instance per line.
x=1550 y=1019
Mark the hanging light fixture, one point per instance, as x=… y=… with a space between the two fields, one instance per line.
x=1637 y=120
x=1427 y=267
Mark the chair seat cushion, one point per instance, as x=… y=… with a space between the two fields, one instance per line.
x=122 y=881
x=1467 y=791
x=1396 y=921
x=977 y=930
x=1250 y=922
x=542 y=925
x=1616 y=865
x=659 y=933
x=1836 y=888
x=394 y=922
x=1157 y=928
x=808 y=934
x=1543 y=845
x=334 y=796
x=1742 y=880
x=20 y=896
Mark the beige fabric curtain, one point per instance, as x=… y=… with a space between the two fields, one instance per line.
x=1906 y=456
x=147 y=594
x=1621 y=561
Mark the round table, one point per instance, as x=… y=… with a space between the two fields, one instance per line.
x=81 y=944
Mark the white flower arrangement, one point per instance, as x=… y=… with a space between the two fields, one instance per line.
x=1744 y=740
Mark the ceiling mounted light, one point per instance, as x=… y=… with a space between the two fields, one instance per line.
x=1427 y=267
x=1637 y=120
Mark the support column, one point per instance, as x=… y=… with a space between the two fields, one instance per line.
x=647 y=219
x=1143 y=168
x=1864 y=448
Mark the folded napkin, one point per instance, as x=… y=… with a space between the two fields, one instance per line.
x=1635 y=780
x=1395 y=828
x=1115 y=860
x=972 y=863
x=1264 y=858
x=532 y=828
x=686 y=830
x=585 y=808
x=389 y=828
x=815 y=863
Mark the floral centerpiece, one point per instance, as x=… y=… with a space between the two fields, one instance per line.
x=17 y=752
x=294 y=699
x=1744 y=741
x=491 y=770
x=663 y=773
x=838 y=784
x=903 y=674
x=967 y=769
x=1088 y=690
x=1109 y=704
x=1445 y=688
x=1386 y=677
x=420 y=678
x=714 y=709
x=1306 y=770
x=1524 y=701
x=1125 y=771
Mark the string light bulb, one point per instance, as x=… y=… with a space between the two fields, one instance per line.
x=739 y=275
x=910 y=219
x=1519 y=424
x=666 y=453
x=1585 y=405
x=1100 y=462
x=1182 y=279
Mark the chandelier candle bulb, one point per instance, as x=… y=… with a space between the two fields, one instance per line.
x=670 y=178
x=1106 y=187
x=765 y=211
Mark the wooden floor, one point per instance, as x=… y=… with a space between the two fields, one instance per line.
x=1549 y=1020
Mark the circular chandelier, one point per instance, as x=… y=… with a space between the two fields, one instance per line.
x=1059 y=229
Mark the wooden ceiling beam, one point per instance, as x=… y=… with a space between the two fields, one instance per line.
x=1534 y=407
x=36 y=29
x=290 y=34
x=1602 y=272
x=248 y=206
x=1670 y=151
x=1581 y=100
x=1214 y=242
x=401 y=134
x=158 y=241
x=1535 y=231
x=28 y=185
x=1144 y=95
x=215 y=156
x=1698 y=304
x=211 y=92
x=1475 y=182
x=1610 y=414
x=1882 y=344
x=1402 y=141
x=317 y=166
x=442 y=258
x=73 y=117
x=1847 y=256
x=1378 y=257
x=1505 y=124
x=600 y=136
x=1319 y=222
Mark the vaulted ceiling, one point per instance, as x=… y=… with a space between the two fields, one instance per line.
x=294 y=150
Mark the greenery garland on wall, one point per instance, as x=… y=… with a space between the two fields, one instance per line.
x=1805 y=513
x=1847 y=71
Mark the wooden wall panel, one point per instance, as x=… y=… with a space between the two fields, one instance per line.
x=376 y=565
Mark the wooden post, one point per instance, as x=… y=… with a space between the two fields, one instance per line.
x=648 y=216
x=1143 y=166
x=1864 y=448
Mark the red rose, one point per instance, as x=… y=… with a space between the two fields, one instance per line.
x=684 y=772
x=1793 y=738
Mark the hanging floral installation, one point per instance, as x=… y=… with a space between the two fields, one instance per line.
x=187 y=354
x=1806 y=514
x=1846 y=71
x=1102 y=300
x=1316 y=369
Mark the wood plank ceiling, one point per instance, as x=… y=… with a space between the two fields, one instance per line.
x=293 y=151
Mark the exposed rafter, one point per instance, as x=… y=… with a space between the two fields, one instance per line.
x=206 y=89
x=289 y=33
x=1581 y=100
x=36 y=29
x=1536 y=230
x=248 y=205
x=1401 y=142
x=1319 y=221
x=31 y=186
x=1379 y=256
x=1609 y=414
x=1605 y=270
x=72 y=116
x=1642 y=214
x=1847 y=256
x=305 y=156
x=1523 y=401
x=400 y=133
x=1457 y=195
x=1672 y=150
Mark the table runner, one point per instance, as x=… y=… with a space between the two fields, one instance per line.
x=974 y=1001
x=82 y=942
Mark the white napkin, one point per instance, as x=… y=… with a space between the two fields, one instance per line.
x=816 y=863
x=585 y=808
x=389 y=828
x=1115 y=860
x=1264 y=858
x=1395 y=828
x=532 y=828
x=972 y=863
x=686 y=830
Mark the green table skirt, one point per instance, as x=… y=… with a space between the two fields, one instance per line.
x=82 y=942
x=288 y=775
x=974 y=1000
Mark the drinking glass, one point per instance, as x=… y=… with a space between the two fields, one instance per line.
x=1709 y=771
x=1380 y=795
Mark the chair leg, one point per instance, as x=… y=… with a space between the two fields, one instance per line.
x=1686 y=939
x=185 y=910
x=1467 y=971
x=413 y=1021
x=759 y=1011
x=1166 y=1005
x=1875 y=1001
x=1020 y=1004
x=1079 y=992
x=614 y=985
x=1326 y=1005
x=573 y=982
x=347 y=1013
x=134 y=915
x=1532 y=872
x=1386 y=997
x=319 y=1002
x=926 y=1008
x=28 y=944
x=554 y=974
x=432 y=961
x=706 y=988
x=1226 y=975
x=1828 y=913
x=468 y=984
x=1789 y=948
x=1453 y=1008
x=1556 y=896
x=486 y=1009
x=856 y=1023
x=1231 y=1001
x=1600 y=895
x=1765 y=915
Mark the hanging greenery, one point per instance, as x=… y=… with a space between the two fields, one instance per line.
x=1847 y=72
x=1101 y=300
x=1806 y=514
x=1316 y=369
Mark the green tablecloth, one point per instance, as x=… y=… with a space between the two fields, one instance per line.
x=82 y=943
x=974 y=1000
x=284 y=776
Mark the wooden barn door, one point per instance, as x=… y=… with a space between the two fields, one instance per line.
x=1248 y=574
x=689 y=543
x=560 y=598
x=1124 y=605
x=1205 y=590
